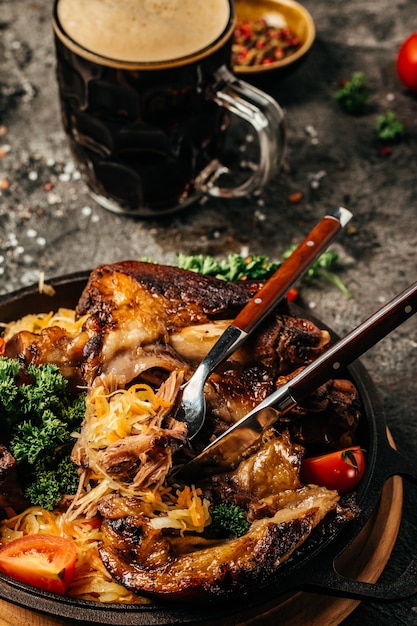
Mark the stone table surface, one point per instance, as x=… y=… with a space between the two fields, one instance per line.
x=50 y=225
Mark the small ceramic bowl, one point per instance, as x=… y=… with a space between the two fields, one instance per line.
x=287 y=15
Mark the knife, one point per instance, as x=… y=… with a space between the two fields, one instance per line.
x=225 y=452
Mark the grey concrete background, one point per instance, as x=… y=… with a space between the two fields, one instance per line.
x=49 y=223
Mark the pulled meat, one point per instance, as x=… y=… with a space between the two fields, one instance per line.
x=140 y=459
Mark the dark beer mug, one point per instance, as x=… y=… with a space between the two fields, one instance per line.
x=146 y=111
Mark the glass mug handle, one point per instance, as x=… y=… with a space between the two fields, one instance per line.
x=266 y=117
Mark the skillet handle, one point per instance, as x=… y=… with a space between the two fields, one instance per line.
x=405 y=585
x=326 y=577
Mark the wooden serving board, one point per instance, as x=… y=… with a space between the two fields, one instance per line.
x=364 y=560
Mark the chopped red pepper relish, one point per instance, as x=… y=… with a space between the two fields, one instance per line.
x=259 y=43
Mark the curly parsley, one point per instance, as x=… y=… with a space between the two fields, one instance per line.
x=252 y=267
x=38 y=416
x=353 y=94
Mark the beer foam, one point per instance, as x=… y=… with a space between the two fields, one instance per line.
x=143 y=30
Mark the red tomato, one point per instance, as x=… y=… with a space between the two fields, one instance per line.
x=407 y=62
x=341 y=470
x=45 y=561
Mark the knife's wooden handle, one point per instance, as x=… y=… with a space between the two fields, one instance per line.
x=288 y=273
x=355 y=343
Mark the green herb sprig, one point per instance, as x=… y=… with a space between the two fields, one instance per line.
x=389 y=127
x=353 y=94
x=252 y=267
x=38 y=416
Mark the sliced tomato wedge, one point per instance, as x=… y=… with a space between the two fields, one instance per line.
x=342 y=470
x=44 y=561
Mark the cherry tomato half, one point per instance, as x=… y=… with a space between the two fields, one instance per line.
x=44 y=561
x=407 y=62
x=341 y=470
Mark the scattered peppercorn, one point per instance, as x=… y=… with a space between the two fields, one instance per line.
x=259 y=43
x=385 y=151
x=295 y=197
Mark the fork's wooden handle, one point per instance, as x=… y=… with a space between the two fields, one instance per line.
x=290 y=271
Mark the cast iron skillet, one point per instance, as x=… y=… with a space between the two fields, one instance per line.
x=312 y=569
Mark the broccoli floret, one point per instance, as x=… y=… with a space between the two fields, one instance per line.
x=228 y=519
x=38 y=416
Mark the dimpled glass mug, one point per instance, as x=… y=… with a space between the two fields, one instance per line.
x=147 y=95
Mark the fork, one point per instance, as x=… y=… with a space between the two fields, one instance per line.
x=192 y=409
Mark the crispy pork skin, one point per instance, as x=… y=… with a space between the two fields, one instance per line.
x=134 y=305
x=209 y=570
x=190 y=296
x=135 y=308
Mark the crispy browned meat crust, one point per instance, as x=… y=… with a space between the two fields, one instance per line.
x=186 y=293
x=133 y=304
x=328 y=419
x=52 y=345
x=148 y=563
